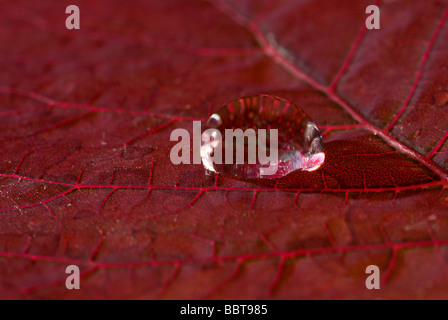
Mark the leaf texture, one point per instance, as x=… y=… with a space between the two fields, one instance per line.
x=86 y=178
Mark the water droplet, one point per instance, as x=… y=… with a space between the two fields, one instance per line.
x=299 y=143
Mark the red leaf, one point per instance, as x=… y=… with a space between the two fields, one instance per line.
x=85 y=175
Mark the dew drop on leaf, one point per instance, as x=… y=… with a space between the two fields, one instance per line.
x=300 y=145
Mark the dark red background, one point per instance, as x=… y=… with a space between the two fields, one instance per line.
x=85 y=175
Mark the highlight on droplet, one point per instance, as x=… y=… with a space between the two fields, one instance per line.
x=253 y=137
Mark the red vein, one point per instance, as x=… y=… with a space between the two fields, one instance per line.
x=438 y=146
x=423 y=62
x=65 y=105
x=242 y=258
x=391 y=266
x=202 y=190
x=151 y=42
x=96 y=250
x=167 y=283
x=216 y=188
x=55 y=283
x=351 y=54
x=62 y=123
x=275 y=282
x=229 y=280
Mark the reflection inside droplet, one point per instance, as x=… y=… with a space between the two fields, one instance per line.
x=261 y=137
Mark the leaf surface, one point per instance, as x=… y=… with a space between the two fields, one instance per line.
x=86 y=178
